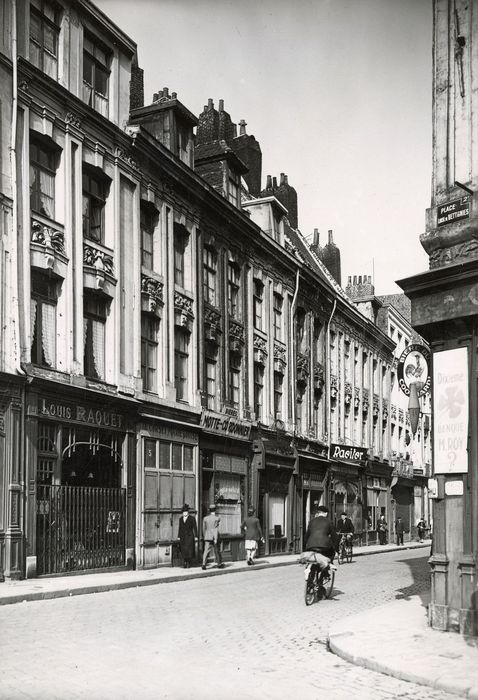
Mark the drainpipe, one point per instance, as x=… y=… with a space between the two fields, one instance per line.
x=13 y=164
x=292 y=347
x=327 y=385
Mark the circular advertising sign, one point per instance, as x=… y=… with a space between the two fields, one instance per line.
x=414 y=366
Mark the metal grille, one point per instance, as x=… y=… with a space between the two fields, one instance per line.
x=79 y=528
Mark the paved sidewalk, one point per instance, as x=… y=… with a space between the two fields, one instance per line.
x=395 y=639
x=64 y=586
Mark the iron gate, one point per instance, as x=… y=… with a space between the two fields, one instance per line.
x=79 y=528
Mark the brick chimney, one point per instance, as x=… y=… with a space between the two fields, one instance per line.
x=136 y=85
x=215 y=124
x=286 y=195
x=247 y=148
x=329 y=254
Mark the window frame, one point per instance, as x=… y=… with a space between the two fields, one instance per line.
x=149 y=350
x=47 y=297
x=210 y=275
x=277 y=311
x=278 y=393
x=37 y=149
x=181 y=360
x=95 y=202
x=233 y=289
x=234 y=385
x=258 y=389
x=179 y=248
x=210 y=383
x=45 y=23
x=97 y=100
x=147 y=224
x=258 y=304
x=96 y=316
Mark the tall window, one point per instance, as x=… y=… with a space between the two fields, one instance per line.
x=180 y=241
x=258 y=389
x=95 y=312
x=300 y=329
x=43 y=320
x=233 y=193
x=94 y=199
x=318 y=340
x=347 y=360
x=233 y=282
x=278 y=381
x=333 y=353
x=96 y=75
x=375 y=376
x=364 y=369
x=44 y=31
x=43 y=163
x=181 y=354
x=258 y=300
x=210 y=275
x=149 y=351
x=277 y=312
x=234 y=385
x=211 y=383
x=147 y=224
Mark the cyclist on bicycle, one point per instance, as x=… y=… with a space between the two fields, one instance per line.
x=321 y=535
x=345 y=526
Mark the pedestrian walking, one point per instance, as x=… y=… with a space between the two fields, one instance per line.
x=253 y=534
x=188 y=534
x=382 y=530
x=210 y=534
x=399 y=530
x=421 y=528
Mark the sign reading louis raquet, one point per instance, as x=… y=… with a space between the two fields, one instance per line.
x=225 y=425
x=450 y=411
x=453 y=211
x=414 y=366
x=347 y=453
x=79 y=413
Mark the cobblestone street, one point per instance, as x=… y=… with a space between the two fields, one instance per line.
x=247 y=635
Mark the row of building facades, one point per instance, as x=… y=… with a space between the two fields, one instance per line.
x=167 y=333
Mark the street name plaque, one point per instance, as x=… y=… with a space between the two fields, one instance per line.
x=453 y=211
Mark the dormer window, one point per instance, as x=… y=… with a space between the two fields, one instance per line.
x=234 y=189
x=96 y=75
x=44 y=32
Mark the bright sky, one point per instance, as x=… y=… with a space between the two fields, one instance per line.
x=337 y=92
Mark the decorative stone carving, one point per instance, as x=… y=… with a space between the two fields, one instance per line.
x=151 y=295
x=47 y=236
x=99 y=259
x=280 y=355
x=376 y=406
x=260 y=350
x=98 y=269
x=347 y=393
x=302 y=369
x=212 y=324
x=121 y=154
x=356 y=398
x=319 y=377
x=183 y=311
x=384 y=411
x=47 y=248
x=333 y=386
x=236 y=337
x=365 y=400
x=73 y=119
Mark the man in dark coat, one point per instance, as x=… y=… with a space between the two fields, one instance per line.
x=399 y=530
x=253 y=532
x=187 y=533
x=321 y=535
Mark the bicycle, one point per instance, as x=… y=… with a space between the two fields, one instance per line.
x=345 y=551
x=319 y=582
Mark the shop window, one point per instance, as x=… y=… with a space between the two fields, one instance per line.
x=47 y=455
x=44 y=33
x=95 y=313
x=96 y=74
x=211 y=368
x=44 y=293
x=166 y=455
x=258 y=389
x=148 y=218
x=94 y=200
x=210 y=275
x=43 y=164
x=277 y=515
x=91 y=458
x=258 y=300
x=233 y=286
x=180 y=243
x=277 y=316
x=278 y=384
x=149 y=351
x=181 y=357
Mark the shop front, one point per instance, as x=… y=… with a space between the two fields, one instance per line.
x=377 y=486
x=312 y=483
x=81 y=481
x=168 y=478
x=274 y=474
x=346 y=485
x=403 y=495
x=225 y=457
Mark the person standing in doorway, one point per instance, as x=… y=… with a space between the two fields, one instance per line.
x=399 y=530
x=421 y=528
x=382 y=530
x=210 y=534
x=253 y=532
x=187 y=533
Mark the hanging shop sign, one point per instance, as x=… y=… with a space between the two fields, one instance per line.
x=414 y=366
x=450 y=411
x=221 y=424
x=453 y=211
x=347 y=453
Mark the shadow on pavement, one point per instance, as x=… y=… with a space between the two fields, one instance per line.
x=421 y=575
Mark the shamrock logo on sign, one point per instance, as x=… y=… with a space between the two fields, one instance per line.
x=451 y=401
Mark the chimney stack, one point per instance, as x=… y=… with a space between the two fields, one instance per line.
x=221 y=106
x=316 y=238
x=242 y=127
x=331 y=240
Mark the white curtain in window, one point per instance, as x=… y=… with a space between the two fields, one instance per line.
x=49 y=333
x=98 y=332
x=277 y=512
x=33 y=317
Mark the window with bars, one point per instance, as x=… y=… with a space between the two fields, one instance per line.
x=181 y=357
x=278 y=384
x=210 y=275
x=94 y=200
x=147 y=225
x=43 y=163
x=44 y=294
x=44 y=34
x=180 y=242
x=149 y=351
x=233 y=286
x=277 y=316
x=258 y=389
x=94 y=313
x=96 y=73
x=47 y=454
x=258 y=300
x=211 y=369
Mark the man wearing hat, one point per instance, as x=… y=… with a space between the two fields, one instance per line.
x=187 y=534
x=210 y=534
x=253 y=532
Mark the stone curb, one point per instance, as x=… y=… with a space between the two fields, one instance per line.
x=121 y=585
